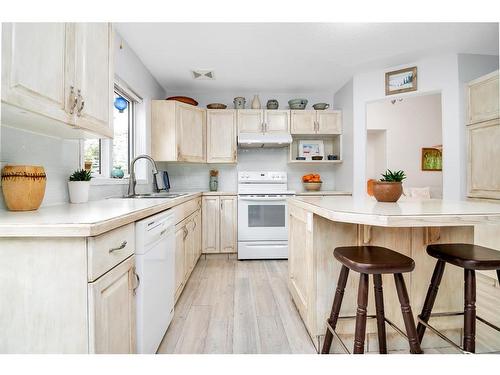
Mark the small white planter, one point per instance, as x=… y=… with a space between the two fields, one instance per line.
x=78 y=191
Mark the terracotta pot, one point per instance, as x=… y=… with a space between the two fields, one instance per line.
x=23 y=187
x=387 y=191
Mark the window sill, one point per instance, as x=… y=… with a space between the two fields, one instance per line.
x=101 y=181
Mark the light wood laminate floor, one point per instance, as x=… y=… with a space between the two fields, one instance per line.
x=231 y=306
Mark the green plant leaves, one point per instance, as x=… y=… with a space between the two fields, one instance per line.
x=390 y=176
x=80 y=175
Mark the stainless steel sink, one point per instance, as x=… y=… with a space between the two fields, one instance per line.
x=156 y=195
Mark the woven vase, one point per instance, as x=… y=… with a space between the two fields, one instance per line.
x=23 y=187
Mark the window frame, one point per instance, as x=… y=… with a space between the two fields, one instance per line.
x=106 y=145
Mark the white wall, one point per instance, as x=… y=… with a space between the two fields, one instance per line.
x=410 y=125
x=60 y=157
x=343 y=99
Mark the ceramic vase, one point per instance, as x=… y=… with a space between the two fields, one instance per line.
x=256 y=102
x=214 y=183
x=387 y=191
x=117 y=172
x=239 y=102
x=78 y=191
x=23 y=187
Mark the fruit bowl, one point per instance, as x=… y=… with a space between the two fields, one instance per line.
x=312 y=186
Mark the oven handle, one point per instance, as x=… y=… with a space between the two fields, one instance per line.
x=263 y=198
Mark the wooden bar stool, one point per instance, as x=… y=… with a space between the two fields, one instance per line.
x=376 y=261
x=470 y=258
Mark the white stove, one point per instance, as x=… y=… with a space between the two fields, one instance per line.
x=263 y=215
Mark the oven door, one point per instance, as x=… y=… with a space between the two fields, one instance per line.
x=262 y=218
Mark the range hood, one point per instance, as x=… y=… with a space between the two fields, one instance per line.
x=259 y=140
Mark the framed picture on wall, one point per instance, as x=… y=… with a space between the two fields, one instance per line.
x=399 y=81
x=432 y=159
x=310 y=148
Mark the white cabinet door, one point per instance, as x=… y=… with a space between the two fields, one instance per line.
x=483 y=98
x=483 y=172
x=250 y=120
x=277 y=121
x=228 y=220
x=190 y=130
x=329 y=122
x=94 y=76
x=197 y=235
x=221 y=136
x=303 y=122
x=112 y=310
x=37 y=71
x=210 y=224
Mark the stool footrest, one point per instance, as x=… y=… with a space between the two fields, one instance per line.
x=344 y=347
x=443 y=337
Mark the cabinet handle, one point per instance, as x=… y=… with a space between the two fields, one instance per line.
x=80 y=109
x=75 y=100
x=138 y=279
x=122 y=246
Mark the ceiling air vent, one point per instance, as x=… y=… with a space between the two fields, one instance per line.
x=203 y=74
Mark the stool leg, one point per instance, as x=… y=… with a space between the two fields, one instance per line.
x=360 y=333
x=379 y=307
x=411 y=331
x=470 y=311
x=430 y=298
x=334 y=315
x=498 y=276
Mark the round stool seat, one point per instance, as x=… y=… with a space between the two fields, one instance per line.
x=473 y=257
x=373 y=259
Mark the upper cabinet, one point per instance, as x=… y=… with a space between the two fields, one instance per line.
x=58 y=74
x=483 y=133
x=316 y=122
x=263 y=121
x=221 y=136
x=483 y=98
x=178 y=132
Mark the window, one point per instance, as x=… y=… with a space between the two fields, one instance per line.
x=105 y=154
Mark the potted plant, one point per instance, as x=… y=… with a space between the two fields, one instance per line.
x=78 y=185
x=390 y=186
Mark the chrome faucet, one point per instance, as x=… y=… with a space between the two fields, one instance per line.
x=132 y=181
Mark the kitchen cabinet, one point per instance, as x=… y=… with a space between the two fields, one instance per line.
x=483 y=133
x=316 y=122
x=112 y=310
x=178 y=132
x=219 y=223
x=187 y=249
x=57 y=78
x=263 y=121
x=483 y=98
x=221 y=136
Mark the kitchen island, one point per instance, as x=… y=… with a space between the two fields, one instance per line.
x=317 y=225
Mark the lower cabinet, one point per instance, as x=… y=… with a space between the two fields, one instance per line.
x=219 y=224
x=112 y=310
x=187 y=249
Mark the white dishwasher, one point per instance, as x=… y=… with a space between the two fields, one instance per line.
x=155 y=265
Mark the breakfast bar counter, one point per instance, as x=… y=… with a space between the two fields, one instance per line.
x=317 y=225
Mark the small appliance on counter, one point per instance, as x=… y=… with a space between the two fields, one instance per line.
x=263 y=215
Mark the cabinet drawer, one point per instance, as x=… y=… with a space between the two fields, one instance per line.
x=107 y=250
x=185 y=209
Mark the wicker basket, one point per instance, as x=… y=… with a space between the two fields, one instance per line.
x=23 y=187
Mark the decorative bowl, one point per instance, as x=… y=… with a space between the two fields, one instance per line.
x=321 y=106
x=23 y=187
x=216 y=106
x=317 y=157
x=297 y=103
x=272 y=104
x=387 y=191
x=312 y=186
x=183 y=99
x=300 y=158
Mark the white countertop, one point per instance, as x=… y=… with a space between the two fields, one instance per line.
x=323 y=193
x=404 y=213
x=85 y=219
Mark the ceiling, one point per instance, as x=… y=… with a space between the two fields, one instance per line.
x=292 y=57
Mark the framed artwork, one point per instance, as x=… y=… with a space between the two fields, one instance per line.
x=309 y=148
x=399 y=81
x=432 y=159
